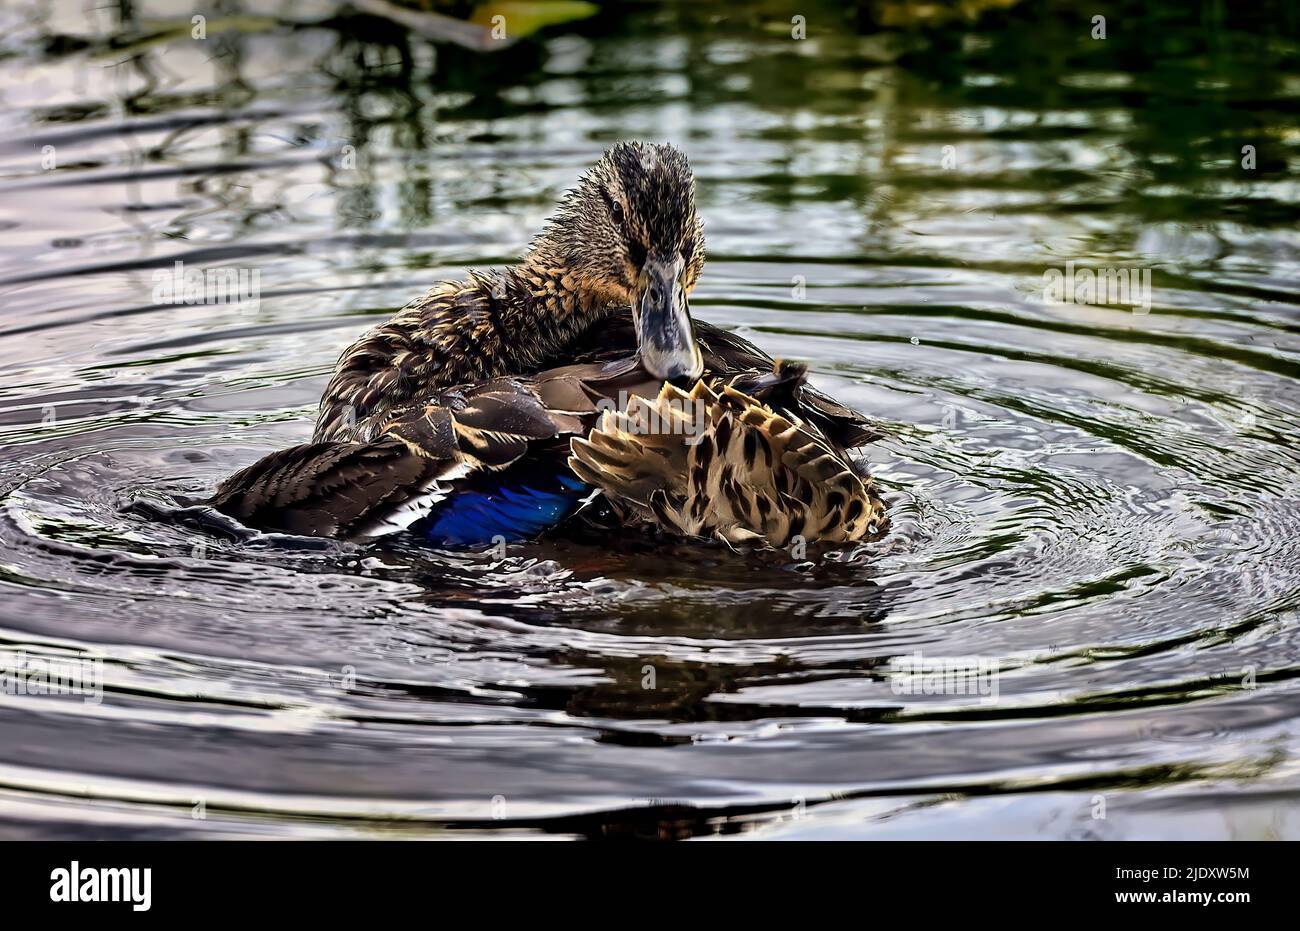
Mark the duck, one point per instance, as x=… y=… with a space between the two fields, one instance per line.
x=522 y=401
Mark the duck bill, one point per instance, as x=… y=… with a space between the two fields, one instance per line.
x=663 y=326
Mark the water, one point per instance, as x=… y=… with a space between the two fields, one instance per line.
x=1095 y=507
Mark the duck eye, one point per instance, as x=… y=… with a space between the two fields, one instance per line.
x=616 y=211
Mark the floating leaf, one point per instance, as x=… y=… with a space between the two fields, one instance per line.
x=522 y=18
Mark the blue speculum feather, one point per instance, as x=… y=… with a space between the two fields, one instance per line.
x=517 y=504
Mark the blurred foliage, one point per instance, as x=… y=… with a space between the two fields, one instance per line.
x=1191 y=80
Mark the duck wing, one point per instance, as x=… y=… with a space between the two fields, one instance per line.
x=720 y=464
x=367 y=489
x=330 y=489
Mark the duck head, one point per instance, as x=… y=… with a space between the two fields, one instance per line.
x=629 y=235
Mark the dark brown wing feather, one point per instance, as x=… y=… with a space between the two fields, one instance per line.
x=359 y=489
x=326 y=489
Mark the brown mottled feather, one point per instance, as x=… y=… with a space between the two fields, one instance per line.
x=709 y=478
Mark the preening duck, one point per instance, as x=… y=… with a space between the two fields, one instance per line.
x=506 y=405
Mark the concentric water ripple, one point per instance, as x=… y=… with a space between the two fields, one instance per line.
x=1094 y=508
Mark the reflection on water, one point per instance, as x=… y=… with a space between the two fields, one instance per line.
x=1095 y=503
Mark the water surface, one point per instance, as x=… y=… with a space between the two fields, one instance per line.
x=1097 y=503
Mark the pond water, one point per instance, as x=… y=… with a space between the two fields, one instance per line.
x=1094 y=505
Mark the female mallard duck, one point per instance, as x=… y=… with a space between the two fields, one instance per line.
x=498 y=406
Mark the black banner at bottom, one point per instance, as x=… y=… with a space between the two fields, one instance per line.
x=931 y=878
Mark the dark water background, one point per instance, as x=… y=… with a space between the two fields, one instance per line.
x=1098 y=502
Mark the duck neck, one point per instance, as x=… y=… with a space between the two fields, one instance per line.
x=543 y=306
